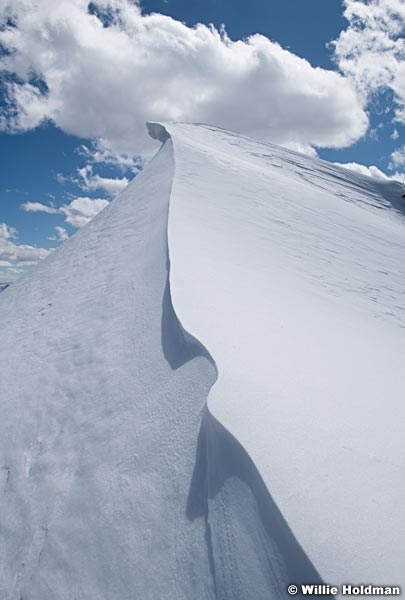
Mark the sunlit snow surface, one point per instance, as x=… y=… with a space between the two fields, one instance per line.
x=271 y=282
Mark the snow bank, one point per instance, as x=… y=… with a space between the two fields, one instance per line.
x=271 y=282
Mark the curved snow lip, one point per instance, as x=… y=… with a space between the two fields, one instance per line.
x=158 y=132
x=252 y=552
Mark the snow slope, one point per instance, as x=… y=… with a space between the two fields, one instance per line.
x=101 y=403
x=297 y=290
x=272 y=283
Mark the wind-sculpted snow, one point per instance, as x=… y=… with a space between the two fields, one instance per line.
x=269 y=283
x=290 y=271
x=105 y=490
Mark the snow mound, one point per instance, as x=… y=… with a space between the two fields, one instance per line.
x=270 y=282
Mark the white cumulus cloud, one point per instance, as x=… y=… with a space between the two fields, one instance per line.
x=105 y=68
x=81 y=210
x=77 y=213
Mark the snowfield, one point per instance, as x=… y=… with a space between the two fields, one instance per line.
x=202 y=391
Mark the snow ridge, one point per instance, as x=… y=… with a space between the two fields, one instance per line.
x=253 y=553
x=191 y=384
x=288 y=270
x=117 y=482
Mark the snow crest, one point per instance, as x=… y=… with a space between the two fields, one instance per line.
x=116 y=480
x=262 y=280
x=252 y=551
x=289 y=270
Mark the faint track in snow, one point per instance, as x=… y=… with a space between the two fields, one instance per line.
x=254 y=553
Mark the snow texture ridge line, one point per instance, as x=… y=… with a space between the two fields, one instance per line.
x=229 y=492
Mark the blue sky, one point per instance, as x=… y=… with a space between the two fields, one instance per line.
x=80 y=80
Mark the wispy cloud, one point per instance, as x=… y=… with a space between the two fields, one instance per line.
x=371 y=50
x=91 y=182
x=398 y=158
x=39 y=207
x=77 y=213
x=13 y=254
x=60 y=234
x=98 y=152
x=7 y=232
